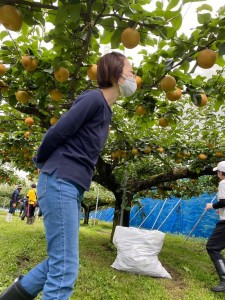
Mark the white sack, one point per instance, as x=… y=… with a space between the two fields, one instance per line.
x=137 y=251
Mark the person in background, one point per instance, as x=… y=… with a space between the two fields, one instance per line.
x=13 y=203
x=31 y=203
x=216 y=242
x=38 y=211
x=66 y=158
x=23 y=203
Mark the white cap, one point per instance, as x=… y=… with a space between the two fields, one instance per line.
x=220 y=167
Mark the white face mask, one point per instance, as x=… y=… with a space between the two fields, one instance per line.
x=129 y=87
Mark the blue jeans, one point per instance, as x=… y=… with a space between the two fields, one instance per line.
x=60 y=202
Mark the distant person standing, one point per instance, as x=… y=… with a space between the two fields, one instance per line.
x=216 y=242
x=13 y=203
x=39 y=212
x=31 y=203
x=23 y=206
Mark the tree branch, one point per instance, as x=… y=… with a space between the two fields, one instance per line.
x=141 y=185
x=31 y=110
x=149 y=26
x=182 y=61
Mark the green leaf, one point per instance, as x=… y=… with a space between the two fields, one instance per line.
x=161 y=44
x=171 y=32
x=204 y=7
x=171 y=14
x=62 y=14
x=217 y=104
x=220 y=61
x=177 y=21
x=221 y=23
x=221 y=11
x=135 y=8
x=12 y=100
x=116 y=39
x=3 y=34
x=221 y=34
x=172 y=4
x=147 y=40
x=204 y=18
x=160 y=31
x=38 y=16
x=222 y=49
x=51 y=16
x=106 y=37
x=159 y=4
x=29 y=20
x=188 y=1
x=108 y=24
x=185 y=66
x=74 y=11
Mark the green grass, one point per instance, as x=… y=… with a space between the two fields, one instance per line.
x=23 y=246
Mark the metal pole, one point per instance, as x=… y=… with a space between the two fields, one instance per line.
x=124 y=185
x=169 y=214
x=148 y=214
x=159 y=213
x=196 y=224
x=96 y=207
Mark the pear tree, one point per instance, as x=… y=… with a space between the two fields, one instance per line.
x=48 y=56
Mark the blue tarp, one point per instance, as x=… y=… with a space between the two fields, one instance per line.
x=179 y=221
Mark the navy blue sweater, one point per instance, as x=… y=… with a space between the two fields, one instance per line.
x=71 y=147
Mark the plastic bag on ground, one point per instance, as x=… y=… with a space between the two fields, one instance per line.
x=137 y=251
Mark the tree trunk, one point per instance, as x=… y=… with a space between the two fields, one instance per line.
x=86 y=215
x=89 y=208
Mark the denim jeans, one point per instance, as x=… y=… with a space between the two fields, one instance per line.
x=60 y=202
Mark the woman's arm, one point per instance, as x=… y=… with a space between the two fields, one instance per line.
x=69 y=123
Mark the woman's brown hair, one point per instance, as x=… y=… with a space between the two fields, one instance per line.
x=110 y=68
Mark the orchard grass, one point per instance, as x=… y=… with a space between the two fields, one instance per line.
x=22 y=246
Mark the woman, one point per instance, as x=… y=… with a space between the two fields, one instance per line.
x=66 y=159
